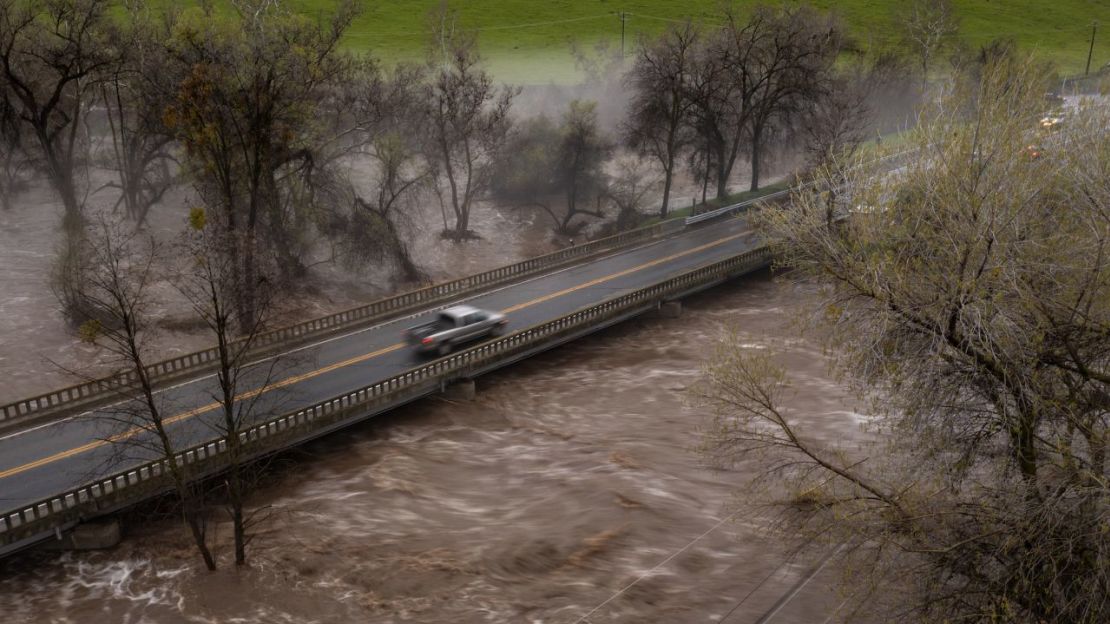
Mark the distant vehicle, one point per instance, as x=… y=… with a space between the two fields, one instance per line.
x=454 y=326
x=1032 y=152
x=1052 y=122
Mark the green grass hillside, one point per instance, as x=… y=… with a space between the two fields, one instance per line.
x=528 y=40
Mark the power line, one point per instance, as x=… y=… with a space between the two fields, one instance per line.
x=662 y=563
x=793 y=591
x=699 y=20
x=753 y=590
x=367 y=33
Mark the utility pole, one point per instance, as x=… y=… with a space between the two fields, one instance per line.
x=1090 y=52
x=624 y=18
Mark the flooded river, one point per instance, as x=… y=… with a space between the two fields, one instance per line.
x=568 y=491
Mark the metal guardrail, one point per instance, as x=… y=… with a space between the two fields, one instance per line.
x=713 y=214
x=90 y=393
x=1084 y=85
x=136 y=484
x=889 y=160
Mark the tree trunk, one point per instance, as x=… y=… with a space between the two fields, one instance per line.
x=409 y=270
x=247 y=285
x=196 y=527
x=235 y=501
x=723 y=173
x=668 y=175
x=73 y=220
x=756 y=153
x=462 y=222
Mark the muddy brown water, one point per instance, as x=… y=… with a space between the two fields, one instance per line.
x=570 y=478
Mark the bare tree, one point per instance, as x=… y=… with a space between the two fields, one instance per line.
x=719 y=107
x=467 y=120
x=116 y=291
x=964 y=301
x=598 y=63
x=15 y=165
x=134 y=100
x=658 y=116
x=387 y=133
x=787 y=60
x=583 y=151
x=925 y=28
x=247 y=392
x=50 y=55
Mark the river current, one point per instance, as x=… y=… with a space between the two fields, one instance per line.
x=569 y=489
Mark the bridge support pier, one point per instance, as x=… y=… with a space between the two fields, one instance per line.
x=461 y=390
x=96 y=535
x=671 y=309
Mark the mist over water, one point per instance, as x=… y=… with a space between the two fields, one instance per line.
x=569 y=477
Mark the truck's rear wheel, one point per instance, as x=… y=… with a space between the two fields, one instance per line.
x=444 y=348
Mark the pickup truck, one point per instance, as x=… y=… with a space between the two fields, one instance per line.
x=454 y=326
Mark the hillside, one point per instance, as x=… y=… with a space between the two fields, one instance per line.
x=528 y=41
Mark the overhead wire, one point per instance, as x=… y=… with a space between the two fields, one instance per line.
x=662 y=563
x=485 y=28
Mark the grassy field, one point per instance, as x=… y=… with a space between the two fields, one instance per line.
x=528 y=41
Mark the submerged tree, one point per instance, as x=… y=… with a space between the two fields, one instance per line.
x=383 y=217
x=135 y=95
x=386 y=132
x=120 y=271
x=466 y=119
x=547 y=164
x=51 y=54
x=247 y=111
x=15 y=165
x=247 y=390
x=582 y=154
x=968 y=298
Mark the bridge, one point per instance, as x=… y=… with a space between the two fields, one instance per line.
x=58 y=469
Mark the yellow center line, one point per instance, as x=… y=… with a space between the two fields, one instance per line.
x=130 y=433
x=349 y=362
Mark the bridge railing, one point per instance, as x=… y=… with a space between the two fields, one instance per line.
x=890 y=161
x=140 y=482
x=97 y=391
x=723 y=210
